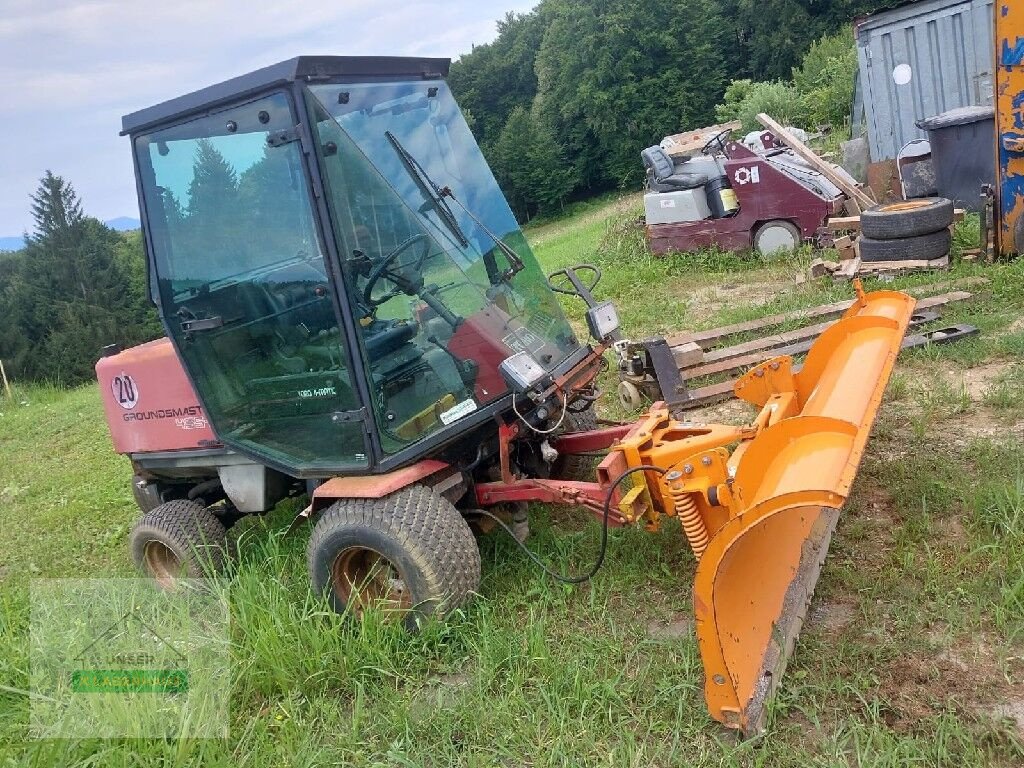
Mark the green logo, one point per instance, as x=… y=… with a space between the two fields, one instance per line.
x=129 y=681
x=135 y=671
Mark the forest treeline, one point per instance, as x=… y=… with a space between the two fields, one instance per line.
x=568 y=94
x=75 y=287
x=561 y=102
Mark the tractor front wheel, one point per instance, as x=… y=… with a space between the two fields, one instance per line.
x=178 y=539
x=410 y=554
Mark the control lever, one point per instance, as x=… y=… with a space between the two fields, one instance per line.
x=579 y=287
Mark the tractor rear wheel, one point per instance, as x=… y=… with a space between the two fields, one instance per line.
x=178 y=540
x=410 y=553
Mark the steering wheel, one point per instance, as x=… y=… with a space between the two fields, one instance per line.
x=718 y=138
x=403 y=283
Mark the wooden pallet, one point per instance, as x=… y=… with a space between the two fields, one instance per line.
x=734 y=358
x=713 y=337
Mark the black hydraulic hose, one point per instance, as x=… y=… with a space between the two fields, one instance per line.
x=567 y=579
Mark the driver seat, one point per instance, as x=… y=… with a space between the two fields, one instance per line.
x=663 y=174
x=383 y=337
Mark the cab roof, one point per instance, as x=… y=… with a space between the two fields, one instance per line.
x=302 y=68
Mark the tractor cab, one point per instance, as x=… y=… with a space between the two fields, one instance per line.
x=335 y=264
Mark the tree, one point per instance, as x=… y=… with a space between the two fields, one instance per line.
x=55 y=208
x=601 y=79
x=214 y=182
x=70 y=293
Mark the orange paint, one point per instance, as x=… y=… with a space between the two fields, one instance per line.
x=769 y=509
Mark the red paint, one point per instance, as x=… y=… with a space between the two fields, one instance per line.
x=774 y=196
x=588 y=495
x=478 y=338
x=149 y=402
x=594 y=440
x=375 y=486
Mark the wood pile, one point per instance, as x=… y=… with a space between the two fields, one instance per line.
x=725 y=352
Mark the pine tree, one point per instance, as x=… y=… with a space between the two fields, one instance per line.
x=214 y=182
x=55 y=208
x=70 y=292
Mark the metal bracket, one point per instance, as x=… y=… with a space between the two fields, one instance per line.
x=202 y=324
x=284 y=136
x=666 y=371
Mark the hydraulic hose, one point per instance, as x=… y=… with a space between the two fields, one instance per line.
x=602 y=550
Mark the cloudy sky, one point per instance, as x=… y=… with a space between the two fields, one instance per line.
x=71 y=69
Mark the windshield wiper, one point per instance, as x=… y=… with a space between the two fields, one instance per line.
x=514 y=260
x=429 y=188
x=437 y=195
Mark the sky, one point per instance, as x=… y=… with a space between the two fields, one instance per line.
x=70 y=70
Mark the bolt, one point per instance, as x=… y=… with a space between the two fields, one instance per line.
x=688 y=468
x=719 y=680
x=775 y=366
x=706 y=461
x=759 y=372
x=673 y=475
x=680 y=389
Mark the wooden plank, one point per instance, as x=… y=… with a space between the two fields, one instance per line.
x=766 y=342
x=843 y=224
x=715 y=393
x=805 y=152
x=688 y=355
x=688 y=142
x=798 y=348
x=888 y=266
x=849 y=267
x=793 y=337
x=712 y=336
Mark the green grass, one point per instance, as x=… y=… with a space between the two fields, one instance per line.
x=915 y=636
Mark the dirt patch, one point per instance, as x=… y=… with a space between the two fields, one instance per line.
x=709 y=299
x=1014 y=327
x=969 y=674
x=978 y=380
x=1013 y=711
x=833 y=616
x=438 y=693
x=728 y=412
x=980 y=422
x=677 y=628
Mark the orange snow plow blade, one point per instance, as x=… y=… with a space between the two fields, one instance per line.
x=756 y=575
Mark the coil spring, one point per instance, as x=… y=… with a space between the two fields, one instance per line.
x=688 y=514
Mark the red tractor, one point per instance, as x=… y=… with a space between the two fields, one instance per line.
x=353 y=314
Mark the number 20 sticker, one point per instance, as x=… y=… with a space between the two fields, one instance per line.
x=126 y=392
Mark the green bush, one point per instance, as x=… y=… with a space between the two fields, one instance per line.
x=744 y=99
x=825 y=80
x=820 y=93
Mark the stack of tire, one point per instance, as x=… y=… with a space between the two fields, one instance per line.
x=908 y=230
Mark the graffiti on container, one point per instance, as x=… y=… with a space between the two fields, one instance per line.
x=1012 y=56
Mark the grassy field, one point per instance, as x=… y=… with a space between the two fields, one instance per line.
x=913 y=653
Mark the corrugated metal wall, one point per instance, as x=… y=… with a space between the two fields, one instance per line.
x=948 y=46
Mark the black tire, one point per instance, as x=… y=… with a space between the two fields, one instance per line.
x=921 y=248
x=571 y=466
x=907 y=218
x=414 y=542
x=178 y=539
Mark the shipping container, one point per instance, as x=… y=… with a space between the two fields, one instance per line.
x=919 y=60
